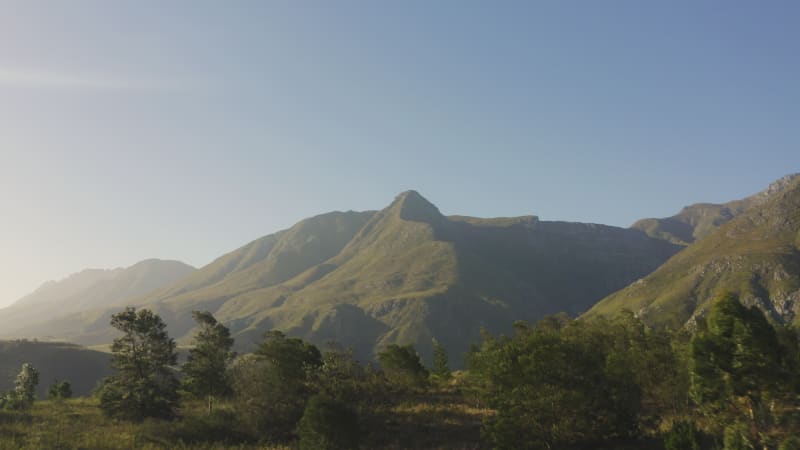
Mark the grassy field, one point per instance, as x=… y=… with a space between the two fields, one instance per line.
x=434 y=421
x=79 y=424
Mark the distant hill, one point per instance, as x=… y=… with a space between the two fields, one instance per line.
x=82 y=367
x=756 y=254
x=405 y=274
x=701 y=219
x=89 y=289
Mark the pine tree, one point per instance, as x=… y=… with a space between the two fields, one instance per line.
x=145 y=384
x=205 y=371
x=441 y=369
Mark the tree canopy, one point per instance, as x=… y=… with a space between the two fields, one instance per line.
x=205 y=372
x=145 y=384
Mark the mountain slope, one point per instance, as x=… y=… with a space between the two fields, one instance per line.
x=88 y=290
x=82 y=367
x=699 y=220
x=756 y=255
x=405 y=274
x=264 y=262
x=411 y=275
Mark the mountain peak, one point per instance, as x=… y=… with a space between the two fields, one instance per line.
x=780 y=185
x=156 y=263
x=413 y=206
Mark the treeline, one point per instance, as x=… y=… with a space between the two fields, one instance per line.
x=286 y=392
x=561 y=383
x=733 y=383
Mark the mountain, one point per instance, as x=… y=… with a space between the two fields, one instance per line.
x=82 y=367
x=756 y=255
x=699 y=220
x=90 y=289
x=405 y=274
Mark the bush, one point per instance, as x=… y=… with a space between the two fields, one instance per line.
x=59 y=390
x=328 y=425
x=219 y=427
x=13 y=401
x=135 y=402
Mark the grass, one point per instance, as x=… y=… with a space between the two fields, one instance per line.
x=79 y=424
x=438 y=420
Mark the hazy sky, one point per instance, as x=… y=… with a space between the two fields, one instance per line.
x=183 y=130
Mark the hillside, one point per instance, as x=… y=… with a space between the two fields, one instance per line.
x=404 y=274
x=82 y=367
x=89 y=289
x=756 y=255
x=701 y=219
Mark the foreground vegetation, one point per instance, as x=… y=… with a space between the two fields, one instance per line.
x=556 y=384
x=434 y=420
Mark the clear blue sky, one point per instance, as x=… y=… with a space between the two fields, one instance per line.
x=182 y=130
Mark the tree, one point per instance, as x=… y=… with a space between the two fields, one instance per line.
x=59 y=390
x=145 y=384
x=402 y=366
x=272 y=385
x=441 y=369
x=341 y=377
x=328 y=425
x=205 y=371
x=738 y=372
x=554 y=385
x=24 y=392
x=291 y=357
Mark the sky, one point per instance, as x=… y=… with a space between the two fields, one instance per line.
x=185 y=129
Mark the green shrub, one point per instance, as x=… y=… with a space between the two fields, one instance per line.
x=328 y=425
x=219 y=427
x=59 y=390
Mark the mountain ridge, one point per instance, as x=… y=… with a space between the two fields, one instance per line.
x=755 y=255
x=700 y=219
x=404 y=274
x=88 y=289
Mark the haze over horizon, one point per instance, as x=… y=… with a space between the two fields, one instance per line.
x=181 y=131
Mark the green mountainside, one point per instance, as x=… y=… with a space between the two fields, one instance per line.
x=406 y=274
x=89 y=289
x=699 y=220
x=82 y=367
x=755 y=255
